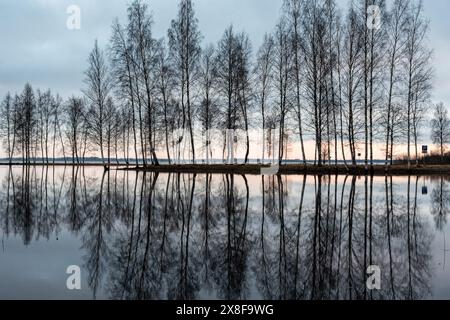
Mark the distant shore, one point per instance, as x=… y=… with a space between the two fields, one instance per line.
x=254 y=169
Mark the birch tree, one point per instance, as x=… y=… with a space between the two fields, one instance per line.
x=440 y=125
x=184 y=42
x=98 y=86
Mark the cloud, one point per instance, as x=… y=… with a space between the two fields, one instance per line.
x=37 y=46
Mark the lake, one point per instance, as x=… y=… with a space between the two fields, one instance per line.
x=184 y=236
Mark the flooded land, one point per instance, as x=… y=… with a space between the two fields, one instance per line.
x=148 y=235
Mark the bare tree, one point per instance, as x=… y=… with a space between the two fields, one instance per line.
x=57 y=136
x=293 y=11
x=45 y=118
x=333 y=28
x=351 y=74
x=416 y=62
x=263 y=82
x=440 y=128
x=243 y=82
x=145 y=51
x=225 y=72
x=8 y=118
x=184 y=41
x=374 y=53
x=339 y=105
x=27 y=122
x=111 y=126
x=98 y=85
x=282 y=70
x=123 y=72
x=395 y=42
x=208 y=109
x=75 y=116
x=165 y=85
x=316 y=71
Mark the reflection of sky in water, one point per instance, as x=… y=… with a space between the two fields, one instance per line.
x=37 y=271
x=165 y=253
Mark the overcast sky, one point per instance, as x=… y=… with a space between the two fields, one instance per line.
x=36 y=46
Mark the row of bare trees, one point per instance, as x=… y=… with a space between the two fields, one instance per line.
x=32 y=125
x=350 y=81
x=40 y=127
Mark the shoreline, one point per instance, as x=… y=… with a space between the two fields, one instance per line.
x=358 y=170
x=254 y=169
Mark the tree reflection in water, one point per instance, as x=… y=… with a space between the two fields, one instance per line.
x=184 y=236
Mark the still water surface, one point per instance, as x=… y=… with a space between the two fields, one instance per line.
x=185 y=236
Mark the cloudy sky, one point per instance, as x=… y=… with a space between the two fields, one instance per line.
x=36 y=45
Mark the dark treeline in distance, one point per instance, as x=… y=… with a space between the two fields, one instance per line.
x=322 y=75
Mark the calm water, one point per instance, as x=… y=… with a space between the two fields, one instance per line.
x=184 y=236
